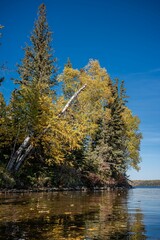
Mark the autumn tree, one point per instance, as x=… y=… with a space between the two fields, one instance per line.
x=107 y=149
x=133 y=139
x=39 y=132
x=87 y=109
x=88 y=131
x=117 y=143
x=35 y=111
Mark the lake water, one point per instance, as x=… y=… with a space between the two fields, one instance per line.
x=132 y=214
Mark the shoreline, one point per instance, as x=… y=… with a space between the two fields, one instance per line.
x=63 y=189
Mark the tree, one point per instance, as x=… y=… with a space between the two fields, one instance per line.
x=106 y=150
x=32 y=104
x=92 y=131
x=38 y=65
x=36 y=110
x=133 y=139
x=115 y=146
x=87 y=110
x=117 y=137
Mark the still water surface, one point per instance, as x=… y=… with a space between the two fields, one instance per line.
x=132 y=214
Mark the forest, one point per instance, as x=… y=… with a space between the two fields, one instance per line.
x=83 y=135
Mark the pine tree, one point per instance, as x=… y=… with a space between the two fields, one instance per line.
x=32 y=104
x=68 y=64
x=36 y=75
x=117 y=137
x=38 y=65
x=120 y=134
x=108 y=146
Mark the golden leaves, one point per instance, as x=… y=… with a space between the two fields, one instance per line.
x=89 y=105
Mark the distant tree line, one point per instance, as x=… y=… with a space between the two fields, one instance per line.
x=86 y=137
x=146 y=183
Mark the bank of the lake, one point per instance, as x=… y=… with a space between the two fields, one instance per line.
x=65 y=189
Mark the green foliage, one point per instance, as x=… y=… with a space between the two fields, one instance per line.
x=6 y=180
x=36 y=76
x=6 y=131
x=32 y=105
x=116 y=144
x=93 y=143
x=107 y=147
x=37 y=66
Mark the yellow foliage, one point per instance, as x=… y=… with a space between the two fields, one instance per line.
x=88 y=108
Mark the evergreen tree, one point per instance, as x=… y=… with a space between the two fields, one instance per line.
x=32 y=104
x=38 y=65
x=116 y=140
x=107 y=153
x=68 y=64
x=36 y=76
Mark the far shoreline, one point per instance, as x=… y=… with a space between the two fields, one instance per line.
x=147 y=183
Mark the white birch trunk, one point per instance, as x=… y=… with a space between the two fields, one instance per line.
x=16 y=155
x=23 y=157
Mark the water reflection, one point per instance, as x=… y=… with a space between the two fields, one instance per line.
x=69 y=215
x=138 y=227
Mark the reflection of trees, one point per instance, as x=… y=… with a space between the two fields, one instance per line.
x=137 y=227
x=94 y=216
x=112 y=222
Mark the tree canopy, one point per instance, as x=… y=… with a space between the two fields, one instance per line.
x=86 y=136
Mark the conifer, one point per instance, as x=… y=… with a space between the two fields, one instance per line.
x=32 y=104
x=37 y=75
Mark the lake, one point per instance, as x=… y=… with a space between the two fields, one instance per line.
x=131 y=214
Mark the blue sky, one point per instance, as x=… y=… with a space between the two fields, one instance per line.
x=124 y=35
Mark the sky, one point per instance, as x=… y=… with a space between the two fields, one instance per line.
x=123 y=35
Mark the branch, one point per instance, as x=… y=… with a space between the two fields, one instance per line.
x=71 y=100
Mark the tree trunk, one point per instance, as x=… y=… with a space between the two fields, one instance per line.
x=71 y=100
x=18 y=153
x=18 y=158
